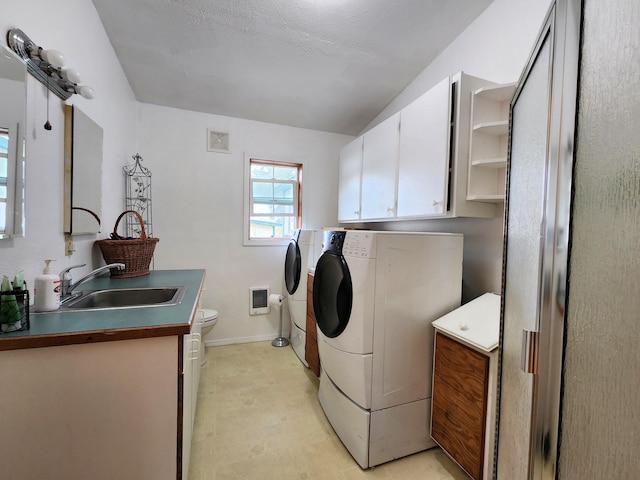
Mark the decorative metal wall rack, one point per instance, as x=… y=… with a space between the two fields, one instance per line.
x=137 y=197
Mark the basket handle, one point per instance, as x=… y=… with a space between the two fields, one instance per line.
x=143 y=233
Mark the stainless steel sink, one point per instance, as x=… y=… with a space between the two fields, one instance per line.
x=124 y=298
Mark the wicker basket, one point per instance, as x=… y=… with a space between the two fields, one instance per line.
x=135 y=253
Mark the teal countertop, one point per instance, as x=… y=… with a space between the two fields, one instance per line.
x=64 y=327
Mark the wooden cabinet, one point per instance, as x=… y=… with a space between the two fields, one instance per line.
x=488 y=143
x=459 y=403
x=100 y=410
x=464 y=383
x=311 y=342
x=113 y=409
x=379 y=166
x=349 y=181
x=423 y=164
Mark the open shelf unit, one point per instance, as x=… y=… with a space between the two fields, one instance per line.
x=488 y=143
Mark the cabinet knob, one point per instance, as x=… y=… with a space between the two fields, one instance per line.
x=435 y=203
x=390 y=210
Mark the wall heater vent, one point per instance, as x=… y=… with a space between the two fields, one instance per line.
x=258 y=300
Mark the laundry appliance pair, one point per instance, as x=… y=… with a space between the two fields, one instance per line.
x=375 y=295
x=303 y=251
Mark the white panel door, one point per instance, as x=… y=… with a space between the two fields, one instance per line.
x=379 y=169
x=349 y=175
x=423 y=164
x=522 y=287
x=187 y=400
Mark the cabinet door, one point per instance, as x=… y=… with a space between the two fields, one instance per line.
x=98 y=411
x=379 y=169
x=191 y=361
x=459 y=403
x=349 y=177
x=423 y=165
x=196 y=334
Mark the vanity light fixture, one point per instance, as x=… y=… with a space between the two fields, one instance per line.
x=48 y=66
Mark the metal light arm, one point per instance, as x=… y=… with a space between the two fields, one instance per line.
x=46 y=66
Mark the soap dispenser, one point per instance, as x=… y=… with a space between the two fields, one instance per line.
x=47 y=290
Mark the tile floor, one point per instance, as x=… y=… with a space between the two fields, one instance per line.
x=258 y=418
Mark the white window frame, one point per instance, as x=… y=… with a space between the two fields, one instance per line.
x=7 y=201
x=248 y=200
x=4 y=182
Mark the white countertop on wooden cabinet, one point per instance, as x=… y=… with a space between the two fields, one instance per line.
x=476 y=323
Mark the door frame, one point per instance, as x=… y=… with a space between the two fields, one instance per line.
x=542 y=350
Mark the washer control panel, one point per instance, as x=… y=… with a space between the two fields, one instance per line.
x=359 y=244
x=350 y=243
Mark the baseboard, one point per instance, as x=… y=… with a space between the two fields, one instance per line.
x=233 y=341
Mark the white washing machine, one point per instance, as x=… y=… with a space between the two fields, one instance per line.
x=375 y=295
x=318 y=246
x=299 y=258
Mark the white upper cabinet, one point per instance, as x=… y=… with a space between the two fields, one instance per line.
x=415 y=164
x=349 y=178
x=423 y=165
x=489 y=143
x=463 y=86
x=379 y=170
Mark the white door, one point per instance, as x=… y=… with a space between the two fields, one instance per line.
x=349 y=177
x=537 y=227
x=190 y=358
x=423 y=164
x=379 y=169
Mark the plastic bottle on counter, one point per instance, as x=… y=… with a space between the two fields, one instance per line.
x=46 y=288
x=10 y=316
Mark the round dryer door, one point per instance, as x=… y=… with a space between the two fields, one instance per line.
x=292 y=267
x=332 y=294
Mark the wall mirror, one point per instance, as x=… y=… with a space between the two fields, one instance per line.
x=13 y=98
x=82 y=172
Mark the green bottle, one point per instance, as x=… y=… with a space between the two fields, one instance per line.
x=10 y=316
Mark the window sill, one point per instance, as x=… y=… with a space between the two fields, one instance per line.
x=266 y=242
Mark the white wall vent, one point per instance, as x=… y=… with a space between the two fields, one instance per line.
x=258 y=300
x=217 y=141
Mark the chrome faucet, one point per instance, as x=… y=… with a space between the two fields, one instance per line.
x=66 y=287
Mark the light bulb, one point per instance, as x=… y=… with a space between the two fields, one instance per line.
x=54 y=57
x=86 y=92
x=71 y=74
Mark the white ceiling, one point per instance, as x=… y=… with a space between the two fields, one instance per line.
x=329 y=65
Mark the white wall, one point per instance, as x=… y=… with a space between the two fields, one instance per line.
x=496 y=46
x=74 y=28
x=198 y=194
x=198 y=201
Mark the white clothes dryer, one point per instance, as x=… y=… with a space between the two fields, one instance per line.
x=318 y=247
x=375 y=295
x=299 y=258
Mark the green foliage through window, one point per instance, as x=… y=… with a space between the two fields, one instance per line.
x=274 y=199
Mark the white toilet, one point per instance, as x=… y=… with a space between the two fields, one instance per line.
x=210 y=320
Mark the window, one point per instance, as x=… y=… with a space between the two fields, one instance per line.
x=274 y=200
